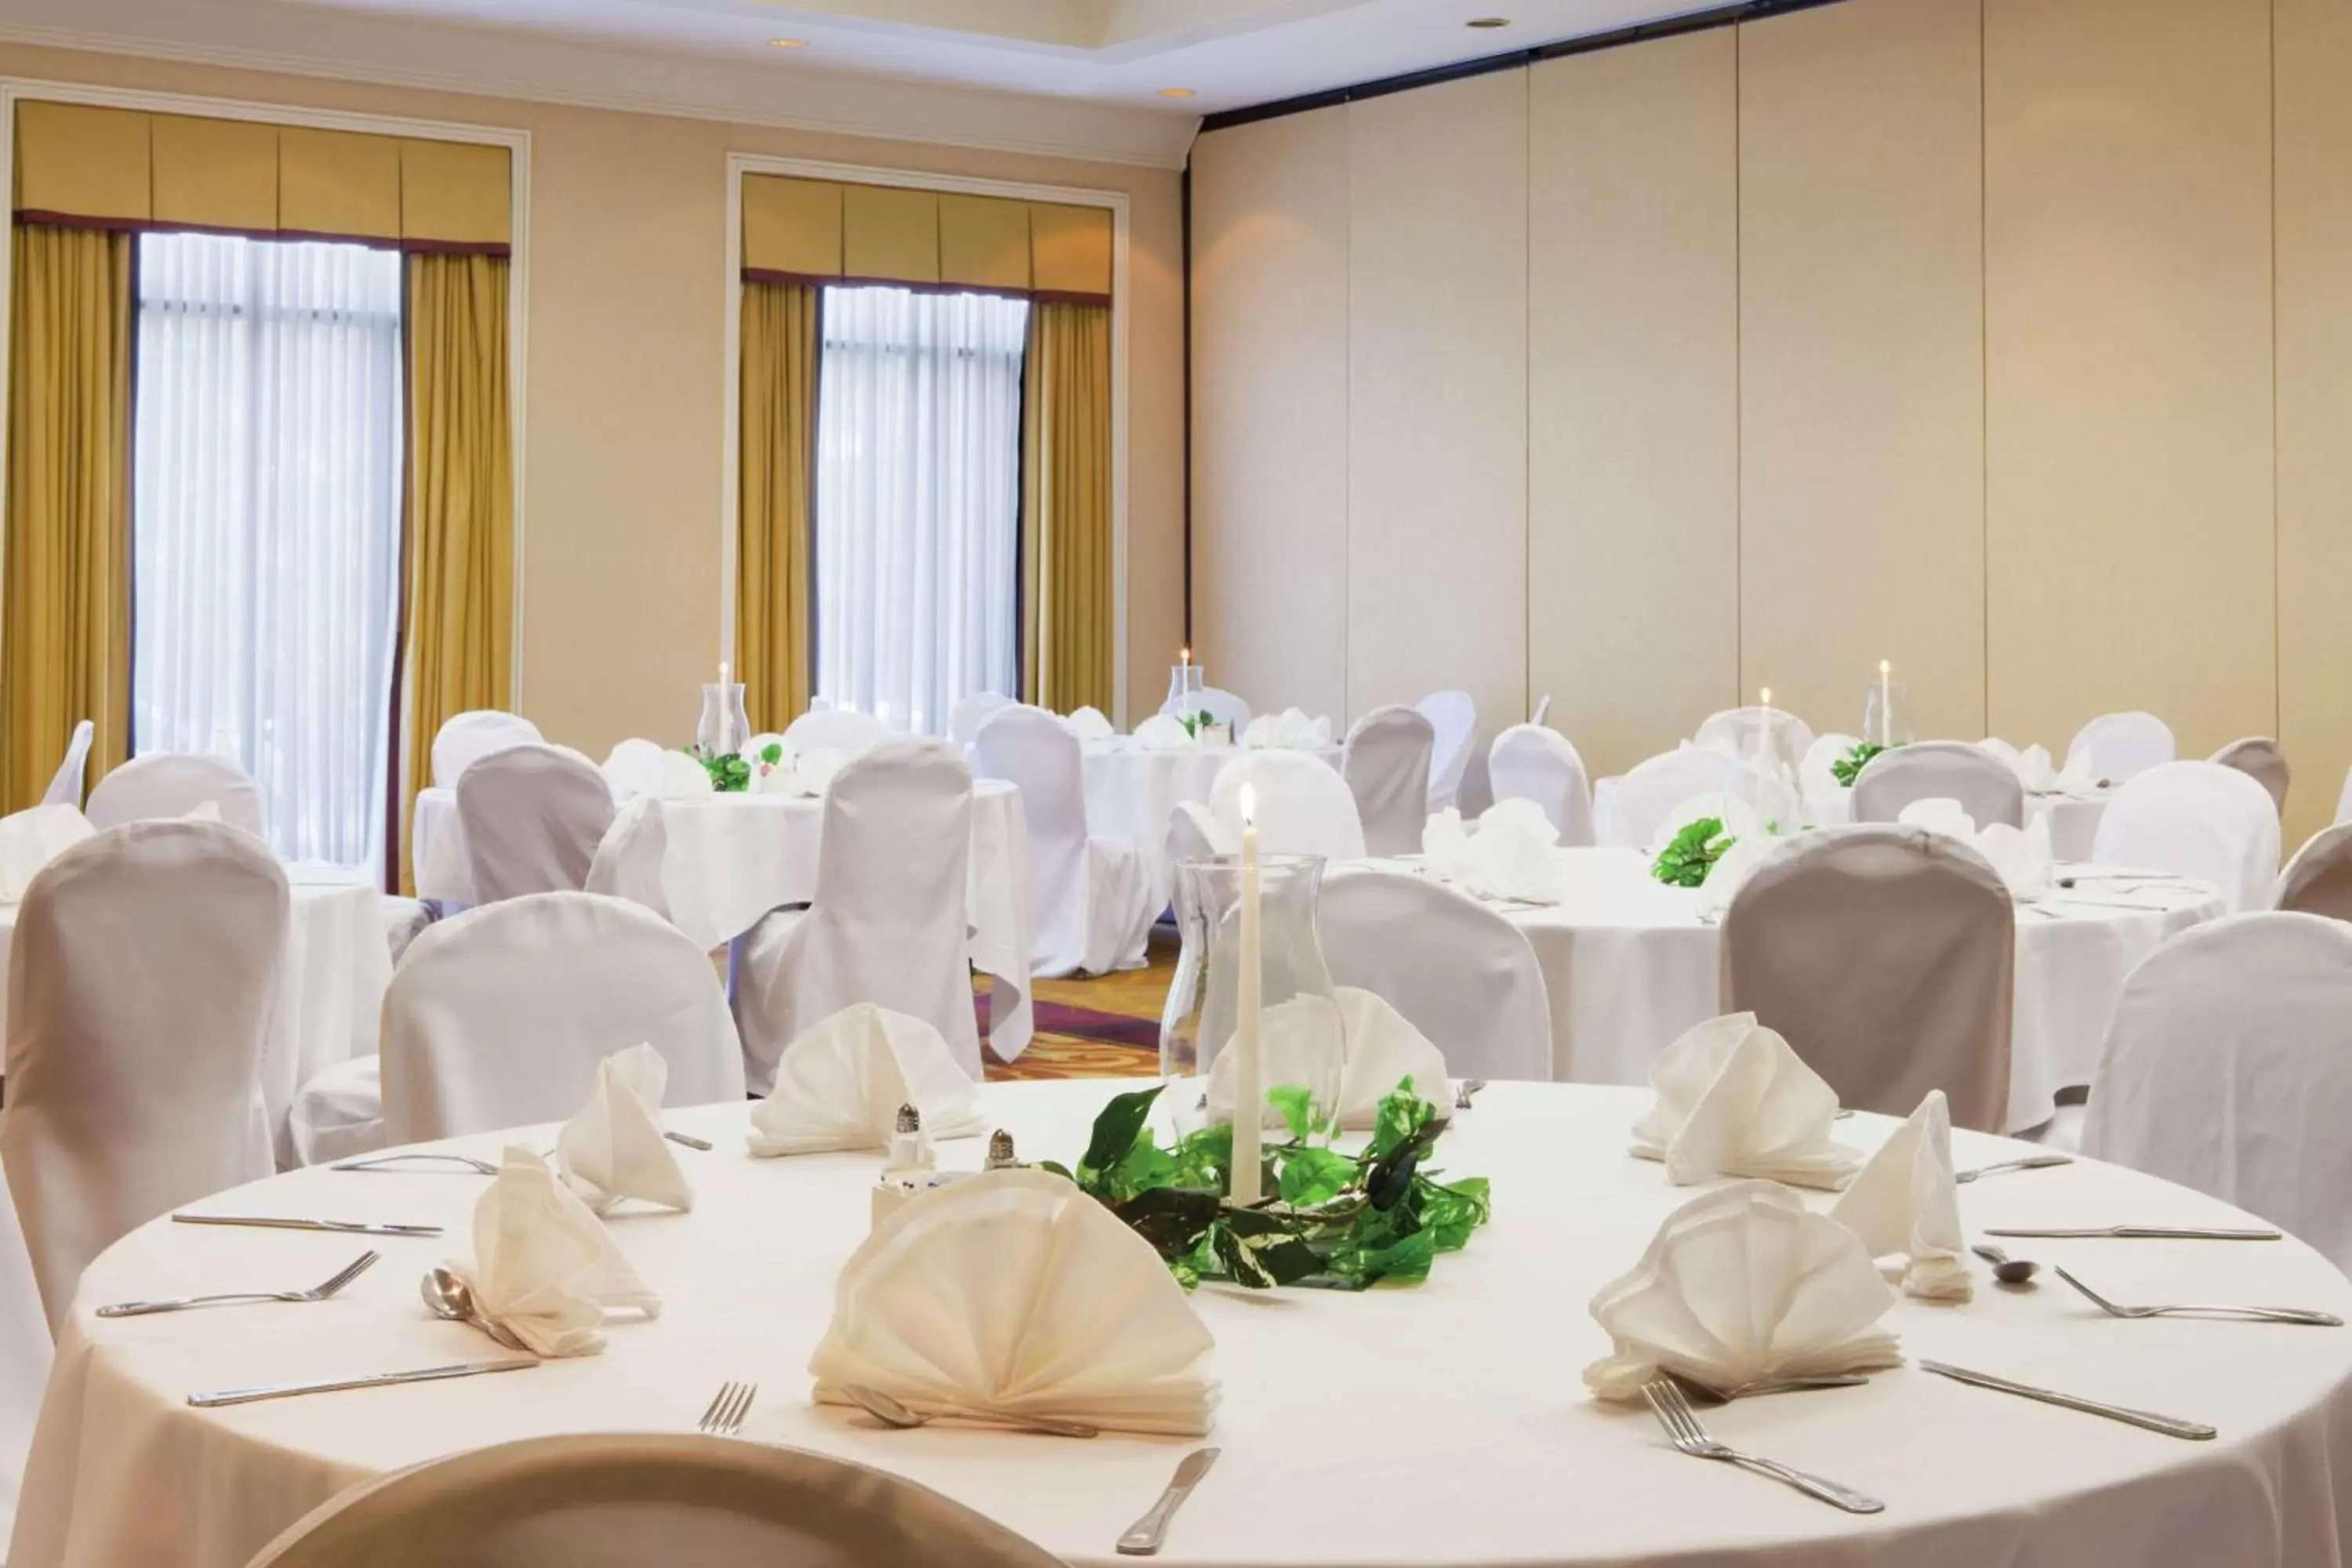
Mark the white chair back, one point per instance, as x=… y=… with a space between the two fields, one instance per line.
x=26 y=1353
x=1454 y=718
x=1090 y=901
x=30 y=840
x=65 y=784
x=2260 y=759
x=1195 y=834
x=533 y=816
x=969 y=714
x=1222 y=706
x=1736 y=730
x=843 y=730
x=1459 y=972
x=1386 y=766
x=887 y=925
x=465 y=739
x=497 y=1017
x=173 y=783
x=1645 y=797
x=2318 y=881
x=1528 y=761
x=139 y=989
x=2196 y=819
x=1987 y=788
x=1543 y=710
x=1817 y=768
x=1303 y=807
x=2227 y=1069
x=628 y=863
x=2344 y=799
x=2120 y=746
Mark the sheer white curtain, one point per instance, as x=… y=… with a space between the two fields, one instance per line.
x=266 y=523
x=917 y=501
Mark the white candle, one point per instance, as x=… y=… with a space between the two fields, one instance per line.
x=722 y=672
x=1184 y=657
x=1249 y=1091
x=1886 y=704
x=1763 y=721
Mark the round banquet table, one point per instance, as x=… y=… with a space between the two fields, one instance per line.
x=1630 y=963
x=1441 y=1424
x=2072 y=814
x=1131 y=790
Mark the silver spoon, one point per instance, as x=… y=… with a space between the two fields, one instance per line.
x=2007 y=1269
x=451 y=1298
x=890 y=1413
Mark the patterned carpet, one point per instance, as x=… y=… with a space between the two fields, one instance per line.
x=1104 y=1028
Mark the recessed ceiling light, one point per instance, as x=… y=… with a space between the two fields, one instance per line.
x=1488 y=22
x=1175 y=92
x=788 y=43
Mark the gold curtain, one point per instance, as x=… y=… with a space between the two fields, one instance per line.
x=1066 y=530
x=775 y=499
x=458 y=588
x=66 y=575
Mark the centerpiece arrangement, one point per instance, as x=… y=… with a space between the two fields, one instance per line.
x=1692 y=853
x=1848 y=768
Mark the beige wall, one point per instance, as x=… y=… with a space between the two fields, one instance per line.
x=1968 y=333
x=624 y=424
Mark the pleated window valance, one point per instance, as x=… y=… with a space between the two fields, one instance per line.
x=818 y=231
x=116 y=168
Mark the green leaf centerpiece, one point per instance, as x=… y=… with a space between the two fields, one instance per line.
x=1685 y=861
x=730 y=771
x=1336 y=1221
x=1848 y=768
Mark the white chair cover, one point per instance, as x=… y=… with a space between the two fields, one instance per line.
x=630 y=864
x=644 y=1501
x=1528 y=761
x=843 y=730
x=1222 y=706
x=970 y=713
x=1195 y=834
x=139 y=988
x=2344 y=799
x=405 y=920
x=1735 y=729
x=1459 y=972
x=465 y=739
x=1454 y=718
x=533 y=816
x=26 y=1353
x=887 y=922
x=1645 y=797
x=2229 y=1068
x=2196 y=819
x=1816 y=770
x=1886 y=956
x=1543 y=710
x=1987 y=788
x=1091 y=899
x=2318 y=880
x=2259 y=758
x=1303 y=807
x=173 y=783
x=1387 y=766
x=65 y=784
x=2120 y=746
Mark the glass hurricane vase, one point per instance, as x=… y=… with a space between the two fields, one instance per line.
x=1185 y=684
x=1886 y=714
x=724 y=725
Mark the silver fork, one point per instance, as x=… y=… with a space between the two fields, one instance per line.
x=727 y=1408
x=2254 y=1314
x=340 y=1278
x=1683 y=1429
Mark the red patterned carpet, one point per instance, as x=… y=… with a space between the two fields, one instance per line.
x=1104 y=1028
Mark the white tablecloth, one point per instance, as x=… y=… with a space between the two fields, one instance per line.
x=1443 y=1423
x=1630 y=966
x=2074 y=817
x=733 y=857
x=1130 y=793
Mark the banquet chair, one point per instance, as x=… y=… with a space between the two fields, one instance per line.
x=888 y=923
x=2344 y=799
x=1647 y=794
x=65 y=784
x=2227 y=1069
x=629 y=860
x=1886 y=956
x=26 y=1353
x=2259 y=758
x=532 y=815
x=1528 y=761
x=650 y=1500
x=1302 y=804
x=497 y=1017
x=173 y=783
x=1817 y=768
x=1195 y=834
x=1090 y=899
x=2196 y=819
x=1459 y=972
x=465 y=739
x=1987 y=788
x=1223 y=707
x=1454 y=719
x=1386 y=763
x=1542 y=709
x=843 y=730
x=969 y=714
x=1735 y=729
x=139 y=988
x=2318 y=880
x=2121 y=746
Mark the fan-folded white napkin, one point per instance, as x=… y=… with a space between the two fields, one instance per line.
x=1733 y=1100
x=638 y=767
x=771 y=767
x=544 y=1267
x=31 y=840
x=1512 y=855
x=2036 y=771
x=1382 y=1048
x=840 y=1085
x=1907 y=1201
x=2021 y=856
x=613 y=1148
x=1939 y=813
x=1088 y=725
x=1012 y=1294
x=1161 y=733
x=1290 y=730
x=1742 y=1284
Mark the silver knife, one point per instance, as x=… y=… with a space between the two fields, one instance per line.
x=2146 y=1232
x=339 y=1226
x=1144 y=1538
x=2030 y=1163
x=381 y=1380
x=2195 y=1431
x=690 y=1141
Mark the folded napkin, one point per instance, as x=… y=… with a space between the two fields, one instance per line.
x=1733 y=1100
x=840 y=1085
x=613 y=1148
x=1512 y=855
x=1907 y=1201
x=1383 y=1049
x=1012 y=1294
x=1740 y=1284
x=2021 y=856
x=31 y=840
x=1290 y=730
x=1161 y=733
x=205 y=811
x=1733 y=867
x=544 y=1267
x=1939 y=813
x=638 y=767
x=1088 y=725
x=773 y=767
x=2036 y=771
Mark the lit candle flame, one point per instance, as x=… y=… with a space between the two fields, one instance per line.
x=1765 y=697
x=1885 y=668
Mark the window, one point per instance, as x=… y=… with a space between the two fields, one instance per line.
x=917 y=501
x=266 y=523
